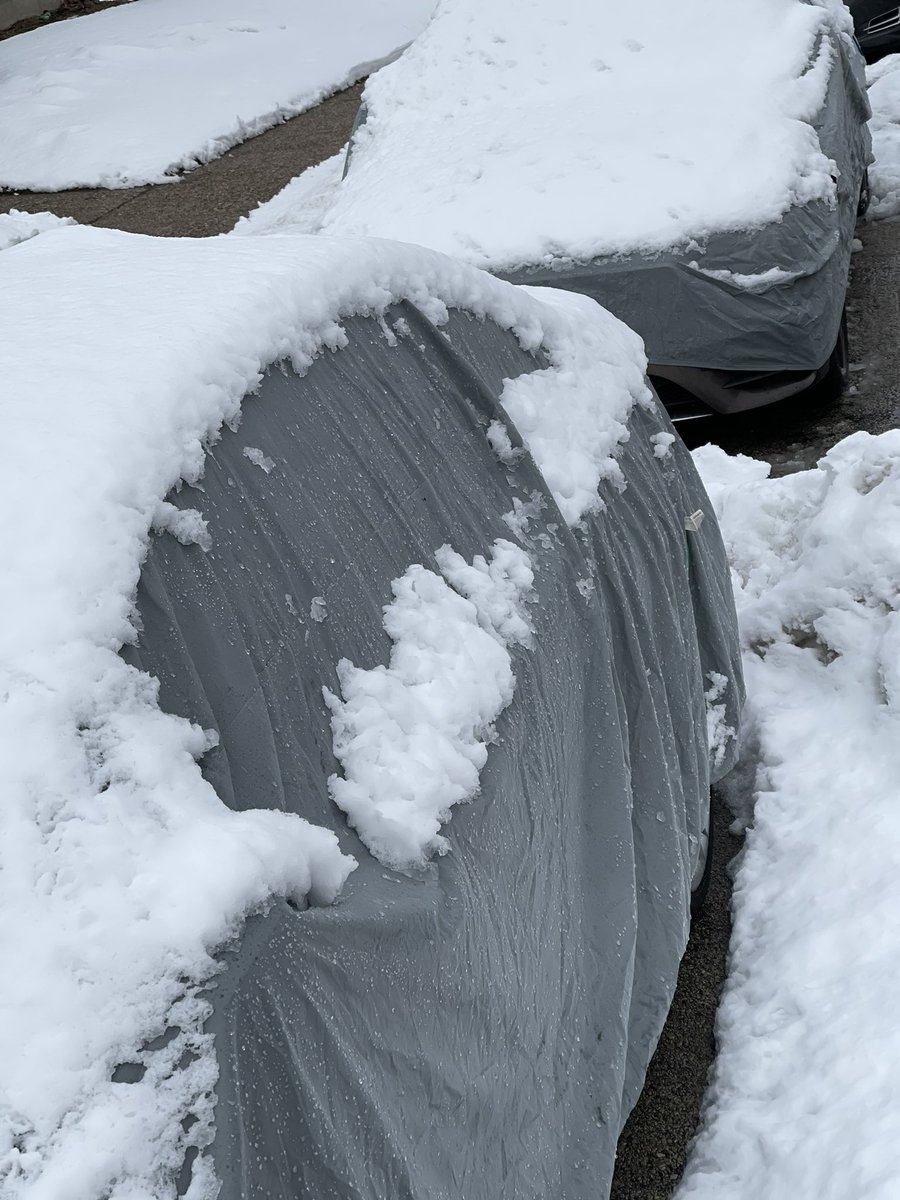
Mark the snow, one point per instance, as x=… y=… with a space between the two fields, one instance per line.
x=413 y=737
x=803 y=1100
x=138 y=93
x=759 y=281
x=300 y=206
x=719 y=733
x=884 y=174
x=256 y=456
x=117 y=857
x=510 y=135
x=18 y=226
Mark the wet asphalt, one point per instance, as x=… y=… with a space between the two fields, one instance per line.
x=208 y=201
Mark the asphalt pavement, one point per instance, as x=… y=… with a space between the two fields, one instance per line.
x=209 y=200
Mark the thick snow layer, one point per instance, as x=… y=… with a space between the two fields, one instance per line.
x=804 y=1101
x=884 y=174
x=138 y=93
x=412 y=737
x=18 y=226
x=514 y=134
x=121 y=869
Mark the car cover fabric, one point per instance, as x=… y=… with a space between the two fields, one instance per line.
x=480 y=1028
x=764 y=299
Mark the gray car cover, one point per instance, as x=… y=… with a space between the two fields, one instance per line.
x=765 y=299
x=480 y=1029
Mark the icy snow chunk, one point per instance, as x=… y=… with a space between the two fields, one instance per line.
x=259 y=459
x=412 y=737
x=662 y=443
x=523 y=513
x=318 y=609
x=759 y=281
x=499 y=441
x=186 y=524
x=718 y=731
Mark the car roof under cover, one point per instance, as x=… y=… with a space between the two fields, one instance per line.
x=400 y=403
x=511 y=135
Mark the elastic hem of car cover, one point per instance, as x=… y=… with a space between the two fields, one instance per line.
x=721 y=392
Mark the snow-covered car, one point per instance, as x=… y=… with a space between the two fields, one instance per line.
x=368 y=648
x=703 y=186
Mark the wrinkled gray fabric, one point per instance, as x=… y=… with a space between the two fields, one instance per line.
x=480 y=1029
x=690 y=319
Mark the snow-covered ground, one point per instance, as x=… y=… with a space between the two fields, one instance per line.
x=508 y=134
x=804 y=1103
x=116 y=857
x=884 y=174
x=138 y=93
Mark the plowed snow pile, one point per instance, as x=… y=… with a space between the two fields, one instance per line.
x=804 y=1101
x=884 y=173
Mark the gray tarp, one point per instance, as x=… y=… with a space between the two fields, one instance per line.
x=479 y=1030
x=689 y=319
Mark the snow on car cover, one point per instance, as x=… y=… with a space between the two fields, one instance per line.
x=122 y=868
x=509 y=136
x=706 y=197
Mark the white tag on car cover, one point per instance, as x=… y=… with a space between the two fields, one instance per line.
x=693 y=522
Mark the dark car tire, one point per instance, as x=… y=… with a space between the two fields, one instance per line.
x=698 y=894
x=865 y=196
x=837 y=375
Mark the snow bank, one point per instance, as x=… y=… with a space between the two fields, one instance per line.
x=18 y=226
x=413 y=737
x=514 y=134
x=121 y=869
x=804 y=1101
x=137 y=93
x=884 y=173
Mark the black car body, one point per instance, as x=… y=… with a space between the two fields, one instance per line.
x=877 y=27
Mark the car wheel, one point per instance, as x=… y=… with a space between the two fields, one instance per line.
x=837 y=374
x=703 y=874
x=864 y=197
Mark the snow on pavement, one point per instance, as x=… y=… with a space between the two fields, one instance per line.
x=803 y=1103
x=115 y=855
x=884 y=174
x=138 y=93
